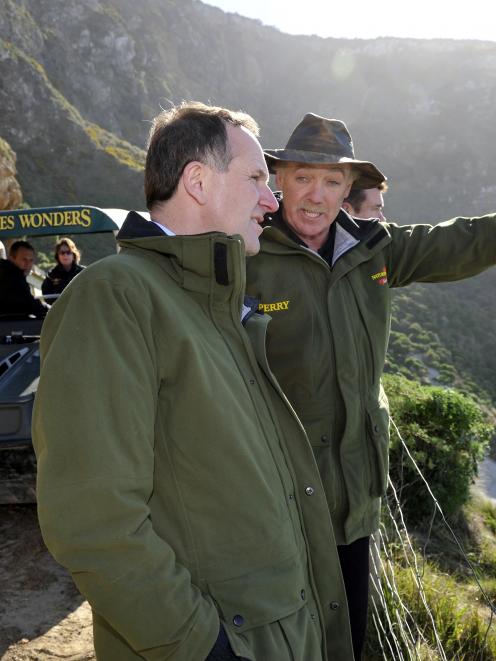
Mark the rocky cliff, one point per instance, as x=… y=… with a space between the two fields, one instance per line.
x=81 y=80
x=10 y=191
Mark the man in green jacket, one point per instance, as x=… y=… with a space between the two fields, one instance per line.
x=175 y=481
x=324 y=278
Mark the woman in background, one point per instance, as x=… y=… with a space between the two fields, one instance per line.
x=67 y=257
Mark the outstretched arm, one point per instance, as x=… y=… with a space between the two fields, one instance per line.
x=452 y=250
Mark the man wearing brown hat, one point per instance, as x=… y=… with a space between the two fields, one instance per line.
x=324 y=278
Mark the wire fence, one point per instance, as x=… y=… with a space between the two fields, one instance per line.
x=408 y=612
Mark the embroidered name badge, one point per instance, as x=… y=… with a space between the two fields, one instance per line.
x=380 y=277
x=274 y=307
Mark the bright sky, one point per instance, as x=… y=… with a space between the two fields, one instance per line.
x=424 y=19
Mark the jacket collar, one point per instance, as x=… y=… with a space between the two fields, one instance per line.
x=58 y=268
x=211 y=263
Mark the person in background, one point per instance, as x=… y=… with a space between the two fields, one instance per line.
x=16 y=298
x=67 y=257
x=366 y=202
x=325 y=278
x=185 y=500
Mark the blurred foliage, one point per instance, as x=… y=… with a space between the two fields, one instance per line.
x=445 y=334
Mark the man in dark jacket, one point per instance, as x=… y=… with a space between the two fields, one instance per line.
x=16 y=299
x=324 y=278
x=185 y=499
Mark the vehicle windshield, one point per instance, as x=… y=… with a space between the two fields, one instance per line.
x=45 y=248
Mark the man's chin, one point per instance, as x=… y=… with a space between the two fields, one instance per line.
x=252 y=249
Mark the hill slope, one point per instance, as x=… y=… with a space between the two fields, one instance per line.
x=80 y=82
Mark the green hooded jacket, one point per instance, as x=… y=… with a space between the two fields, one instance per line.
x=327 y=340
x=175 y=481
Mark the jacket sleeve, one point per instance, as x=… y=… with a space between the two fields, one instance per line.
x=93 y=431
x=451 y=250
x=31 y=305
x=38 y=308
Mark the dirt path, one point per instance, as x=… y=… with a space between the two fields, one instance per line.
x=487 y=478
x=42 y=615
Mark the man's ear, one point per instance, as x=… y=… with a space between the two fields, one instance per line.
x=193 y=179
x=347 y=207
x=279 y=178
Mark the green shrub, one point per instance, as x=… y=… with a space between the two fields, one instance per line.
x=446 y=433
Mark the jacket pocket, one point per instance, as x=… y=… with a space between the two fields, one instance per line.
x=378 y=449
x=261 y=597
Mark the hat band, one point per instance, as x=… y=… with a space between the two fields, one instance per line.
x=301 y=156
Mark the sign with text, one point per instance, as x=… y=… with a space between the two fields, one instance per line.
x=59 y=220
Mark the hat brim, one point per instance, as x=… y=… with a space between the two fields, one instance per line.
x=369 y=175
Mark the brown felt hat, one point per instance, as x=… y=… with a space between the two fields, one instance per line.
x=321 y=141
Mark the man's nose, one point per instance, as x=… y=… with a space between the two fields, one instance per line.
x=268 y=200
x=315 y=193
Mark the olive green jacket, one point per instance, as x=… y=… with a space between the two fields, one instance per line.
x=175 y=481
x=328 y=337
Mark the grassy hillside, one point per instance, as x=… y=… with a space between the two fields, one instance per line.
x=429 y=602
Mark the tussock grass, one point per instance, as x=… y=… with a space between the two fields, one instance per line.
x=456 y=609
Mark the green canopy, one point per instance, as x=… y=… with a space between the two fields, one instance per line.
x=44 y=221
